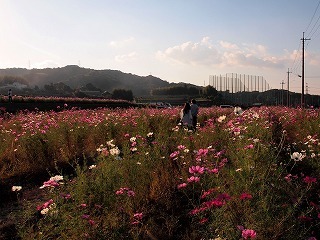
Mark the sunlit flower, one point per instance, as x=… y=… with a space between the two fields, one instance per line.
x=57 y=178
x=296 y=156
x=50 y=183
x=221 y=118
x=44 y=211
x=114 y=151
x=16 y=188
x=133 y=139
x=110 y=143
x=92 y=166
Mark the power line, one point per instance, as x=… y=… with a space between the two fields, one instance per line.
x=313 y=17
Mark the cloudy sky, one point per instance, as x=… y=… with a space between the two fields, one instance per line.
x=175 y=40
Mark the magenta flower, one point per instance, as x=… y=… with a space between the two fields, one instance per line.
x=308 y=179
x=248 y=233
x=245 y=196
x=196 y=169
x=85 y=216
x=207 y=193
x=91 y=222
x=125 y=190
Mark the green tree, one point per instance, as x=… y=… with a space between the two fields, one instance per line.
x=122 y=94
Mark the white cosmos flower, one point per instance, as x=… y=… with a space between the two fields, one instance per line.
x=57 y=178
x=44 y=211
x=296 y=156
x=16 y=188
x=92 y=166
x=114 y=151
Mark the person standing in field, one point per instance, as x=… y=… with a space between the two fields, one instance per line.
x=185 y=115
x=10 y=95
x=194 y=113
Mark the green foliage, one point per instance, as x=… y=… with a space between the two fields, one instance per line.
x=177 y=90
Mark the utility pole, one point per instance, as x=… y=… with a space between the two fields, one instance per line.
x=282 y=92
x=288 y=94
x=302 y=86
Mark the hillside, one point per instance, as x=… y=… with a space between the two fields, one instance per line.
x=77 y=77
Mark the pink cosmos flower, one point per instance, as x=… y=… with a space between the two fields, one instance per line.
x=207 y=193
x=130 y=193
x=182 y=185
x=202 y=152
x=45 y=205
x=138 y=216
x=250 y=146
x=215 y=170
x=83 y=205
x=126 y=190
x=196 y=169
x=214 y=203
x=181 y=147
x=174 y=154
x=50 y=183
x=203 y=220
x=193 y=179
x=248 y=233
x=91 y=222
x=245 y=196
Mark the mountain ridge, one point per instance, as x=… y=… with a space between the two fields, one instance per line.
x=76 y=77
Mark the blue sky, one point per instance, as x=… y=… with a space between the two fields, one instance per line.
x=175 y=40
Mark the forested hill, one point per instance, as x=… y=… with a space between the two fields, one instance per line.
x=76 y=77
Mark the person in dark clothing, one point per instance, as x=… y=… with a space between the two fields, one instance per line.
x=194 y=112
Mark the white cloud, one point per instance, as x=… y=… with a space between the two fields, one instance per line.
x=224 y=54
x=121 y=43
x=126 y=57
x=202 y=53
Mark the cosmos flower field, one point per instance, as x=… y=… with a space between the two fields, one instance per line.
x=136 y=174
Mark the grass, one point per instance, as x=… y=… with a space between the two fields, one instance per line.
x=136 y=175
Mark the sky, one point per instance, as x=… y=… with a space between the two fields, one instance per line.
x=175 y=40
